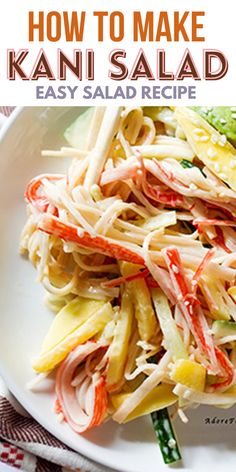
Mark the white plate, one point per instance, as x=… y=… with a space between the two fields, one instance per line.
x=24 y=320
x=7 y=468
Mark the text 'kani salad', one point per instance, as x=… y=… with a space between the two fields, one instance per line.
x=136 y=248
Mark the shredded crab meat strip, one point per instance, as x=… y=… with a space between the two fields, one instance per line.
x=182 y=240
x=221 y=271
x=209 y=297
x=201 y=268
x=229 y=236
x=182 y=324
x=76 y=172
x=157 y=193
x=79 y=378
x=141 y=392
x=213 y=222
x=182 y=416
x=94 y=127
x=146 y=368
x=223 y=190
x=34 y=383
x=82 y=392
x=32 y=192
x=81 y=408
x=226 y=260
x=142 y=199
x=81 y=196
x=99 y=153
x=159 y=274
x=125 y=225
x=126 y=170
x=199 y=185
x=188 y=306
x=157 y=170
x=216 y=399
x=228 y=300
x=164 y=172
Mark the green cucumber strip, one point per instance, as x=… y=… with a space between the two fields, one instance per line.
x=222 y=328
x=166 y=436
x=188 y=165
x=76 y=134
x=164 y=432
x=168 y=326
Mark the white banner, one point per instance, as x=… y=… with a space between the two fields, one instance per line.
x=117 y=51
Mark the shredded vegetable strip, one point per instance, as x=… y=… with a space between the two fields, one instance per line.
x=100 y=151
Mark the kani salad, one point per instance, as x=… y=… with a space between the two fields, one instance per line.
x=135 y=246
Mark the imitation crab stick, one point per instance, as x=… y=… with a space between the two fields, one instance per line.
x=159 y=193
x=100 y=244
x=32 y=194
x=213 y=222
x=82 y=398
x=200 y=269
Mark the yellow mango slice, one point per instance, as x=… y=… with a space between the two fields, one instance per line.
x=160 y=397
x=189 y=373
x=48 y=360
x=73 y=315
x=211 y=147
x=144 y=312
x=118 y=350
x=232 y=292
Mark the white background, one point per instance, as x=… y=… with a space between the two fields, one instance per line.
x=219 y=30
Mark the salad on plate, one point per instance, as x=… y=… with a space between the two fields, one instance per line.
x=135 y=246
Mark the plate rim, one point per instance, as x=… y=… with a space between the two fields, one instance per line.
x=43 y=422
